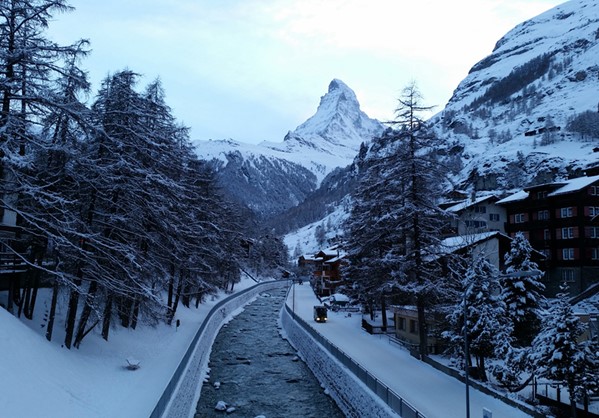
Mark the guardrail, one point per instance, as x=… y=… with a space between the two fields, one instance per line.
x=163 y=403
x=382 y=391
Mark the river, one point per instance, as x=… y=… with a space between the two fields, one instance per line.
x=256 y=372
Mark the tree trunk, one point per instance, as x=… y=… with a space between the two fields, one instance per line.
x=11 y=291
x=72 y=314
x=173 y=310
x=135 y=315
x=422 y=329
x=31 y=305
x=384 y=313
x=52 y=314
x=125 y=311
x=482 y=372
x=107 y=317
x=574 y=412
x=85 y=313
x=171 y=287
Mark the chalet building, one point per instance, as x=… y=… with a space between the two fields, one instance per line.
x=561 y=220
x=323 y=268
x=491 y=245
x=475 y=215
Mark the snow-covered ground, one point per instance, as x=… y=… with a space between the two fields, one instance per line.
x=430 y=391
x=42 y=379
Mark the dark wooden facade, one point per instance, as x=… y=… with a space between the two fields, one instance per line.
x=560 y=220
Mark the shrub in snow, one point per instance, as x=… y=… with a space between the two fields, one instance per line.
x=133 y=363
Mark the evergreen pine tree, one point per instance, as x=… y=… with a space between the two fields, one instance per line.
x=487 y=327
x=522 y=290
x=394 y=228
x=560 y=356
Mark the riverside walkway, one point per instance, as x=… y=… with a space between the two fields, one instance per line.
x=433 y=393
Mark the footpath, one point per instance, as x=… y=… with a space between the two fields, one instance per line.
x=433 y=393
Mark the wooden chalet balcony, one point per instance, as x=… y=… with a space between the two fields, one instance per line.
x=11 y=263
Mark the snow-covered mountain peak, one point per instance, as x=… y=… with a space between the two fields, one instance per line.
x=338 y=120
x=272 y=176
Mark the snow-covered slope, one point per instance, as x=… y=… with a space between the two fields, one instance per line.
x=507 y=123
x=511 y=113
x=270 y=177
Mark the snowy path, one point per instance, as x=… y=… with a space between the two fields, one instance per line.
x=430 y=391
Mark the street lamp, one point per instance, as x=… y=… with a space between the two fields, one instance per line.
x=466 y=353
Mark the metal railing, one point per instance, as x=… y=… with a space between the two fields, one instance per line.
x=387 y=395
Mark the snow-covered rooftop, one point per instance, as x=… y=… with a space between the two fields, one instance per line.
x=520 y=195
x=468 y=203
x=575 y=185
x=459 y=242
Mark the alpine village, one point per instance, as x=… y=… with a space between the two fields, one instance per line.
x=469 y=238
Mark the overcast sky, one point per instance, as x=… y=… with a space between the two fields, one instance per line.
x=252 y=70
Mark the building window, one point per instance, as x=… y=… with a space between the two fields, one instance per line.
x=568 y=254
x=547 y=234
x=547 y=253
x=594 y=232
x=594 y=190
x=519 y=218
x=494 y=217
x=476 y=224
x=567 y=233
x=568 y=275
x=593 y=211
x=595 y=253
x=413 y=326
x=543 y=215
x=542 y=195
x=566 y=212
x=402 y=323
x=480 y=209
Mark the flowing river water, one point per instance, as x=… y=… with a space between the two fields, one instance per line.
x=255 y=371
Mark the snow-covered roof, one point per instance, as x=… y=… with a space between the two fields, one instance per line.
x=563 y=187
x=309 y=257
x=459 y=242
x=335 y=259
x=588 y=306
x=468 y=203
x=575 y=185
x=521 y=195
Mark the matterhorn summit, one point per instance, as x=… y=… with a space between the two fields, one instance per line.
x=338 y=120
x=271 y=177
x=334 y=132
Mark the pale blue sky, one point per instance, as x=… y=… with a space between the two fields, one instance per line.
x=252 y=70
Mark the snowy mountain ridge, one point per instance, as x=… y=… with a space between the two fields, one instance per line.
x=270 y=177
x=511 y=113
x=327 y=140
